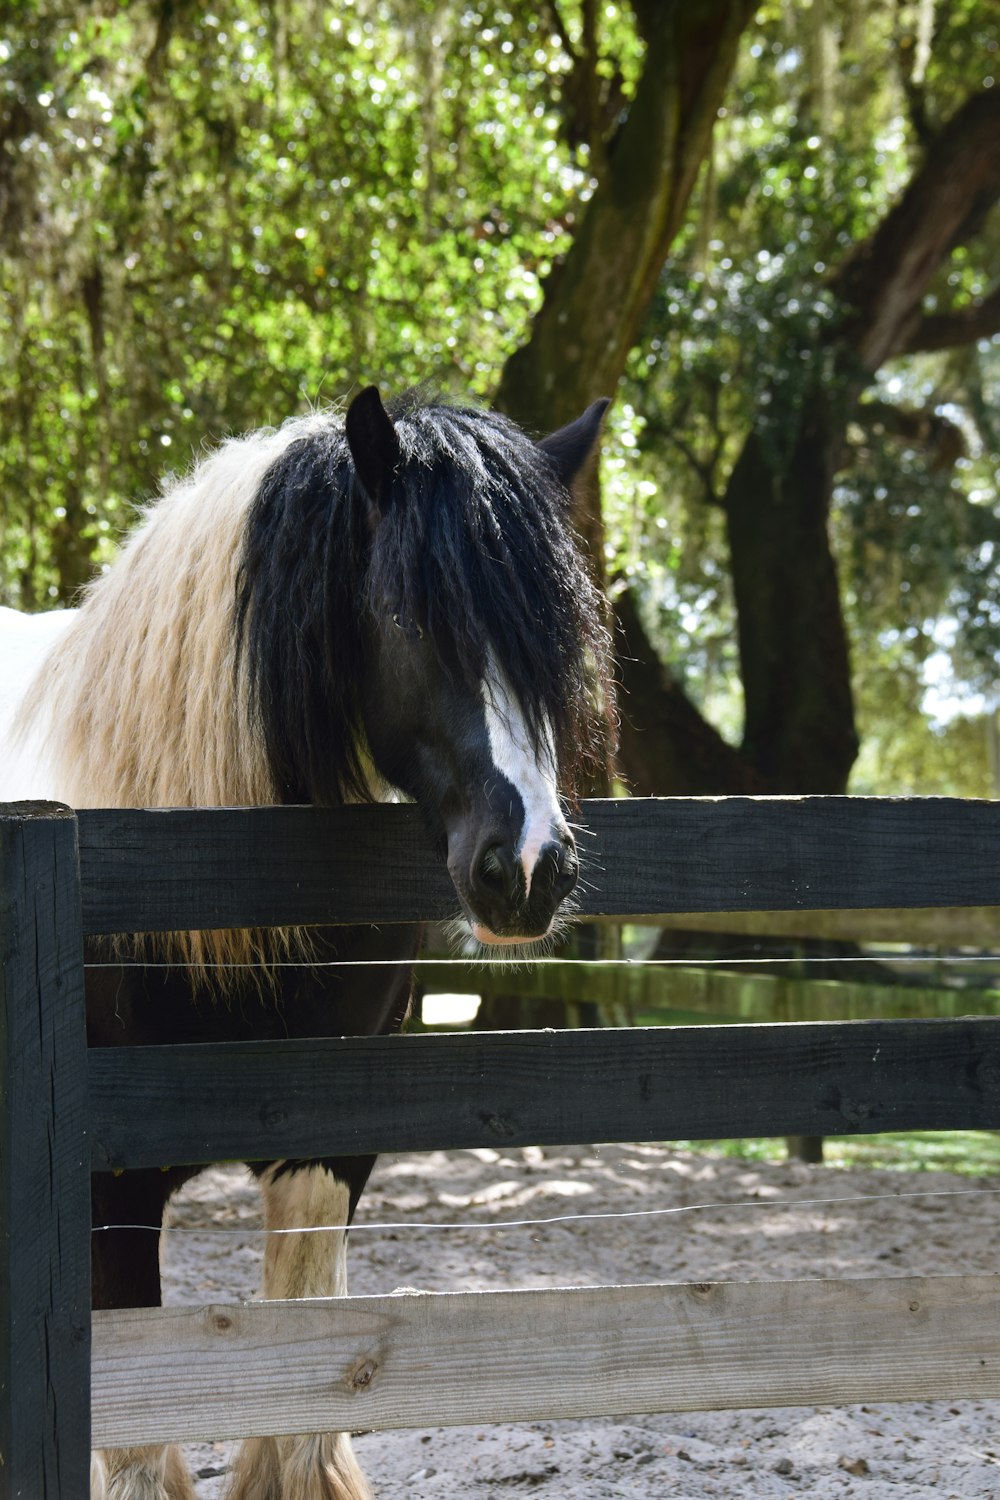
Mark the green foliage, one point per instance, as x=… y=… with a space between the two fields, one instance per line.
x=972 y=1153
x=211 y=217
x=822 y=131
x=907 y=752
x=219 y=216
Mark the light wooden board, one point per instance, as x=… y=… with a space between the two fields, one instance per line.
x=416 y=1360
x=943 y=926
x=645 y=989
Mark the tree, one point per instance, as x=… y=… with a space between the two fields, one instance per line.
x=213 y=217
x=775 y=490
x=646 y=161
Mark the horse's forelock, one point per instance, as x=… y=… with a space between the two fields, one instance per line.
x=473 y=544
x=479 y=543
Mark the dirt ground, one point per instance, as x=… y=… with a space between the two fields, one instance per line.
x=943 y=1449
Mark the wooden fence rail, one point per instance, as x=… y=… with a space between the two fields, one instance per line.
x=44 y=1182
x=607 y=1349
x=445 y=1359
x=156 y=871
x=245 y=1100
x=723 y=988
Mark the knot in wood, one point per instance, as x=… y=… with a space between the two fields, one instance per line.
x=221 y=1322
x=857 y=1111
x=364 y=1374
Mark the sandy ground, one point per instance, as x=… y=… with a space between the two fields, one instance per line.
x=943 y=1449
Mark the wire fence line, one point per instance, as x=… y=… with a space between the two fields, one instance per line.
x=501 y=1224
x=494 y=966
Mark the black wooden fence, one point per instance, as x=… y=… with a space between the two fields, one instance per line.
x=64 y=1110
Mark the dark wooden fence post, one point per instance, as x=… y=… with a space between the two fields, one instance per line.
x=44 y=1161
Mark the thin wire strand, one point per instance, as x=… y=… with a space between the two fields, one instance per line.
x=501 y=1224
x=499 y=965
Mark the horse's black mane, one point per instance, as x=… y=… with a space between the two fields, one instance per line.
x=473 y=545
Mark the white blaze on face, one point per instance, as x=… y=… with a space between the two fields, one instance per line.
x=534 y=775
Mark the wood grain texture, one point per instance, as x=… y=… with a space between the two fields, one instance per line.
x=401 y=1361
x=157 y=871
x=446 y=1359
x=155 y=1106
x=44 y=1160
x=639 y=988
x=924 y=927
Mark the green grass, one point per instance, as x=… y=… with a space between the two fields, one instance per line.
x=973 y=1153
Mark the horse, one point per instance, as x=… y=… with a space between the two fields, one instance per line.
x=385 y=603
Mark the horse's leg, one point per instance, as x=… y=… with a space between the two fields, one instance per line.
x=126 y=1273
x=157 y=1473
x=298 y=1195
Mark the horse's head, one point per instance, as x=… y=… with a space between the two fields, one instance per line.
x=411 y=594
x=482 y=637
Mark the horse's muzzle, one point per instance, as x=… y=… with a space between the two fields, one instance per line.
x=510 y=899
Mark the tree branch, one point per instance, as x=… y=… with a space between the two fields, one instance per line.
x=555 y=23
x=595 y=303
x=704 y=471
x=950 y=330
x=881 y=285
x=942 y=441
x=667 y=746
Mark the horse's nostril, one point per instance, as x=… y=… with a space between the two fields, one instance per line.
x=556 y=871
x=567 y=878
x=503 y=892
x=494 y=871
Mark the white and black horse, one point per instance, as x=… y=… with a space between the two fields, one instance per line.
x=348 y=608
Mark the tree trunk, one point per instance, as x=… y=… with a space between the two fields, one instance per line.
x=799 y=729
x=596 y=299
x=665 y=743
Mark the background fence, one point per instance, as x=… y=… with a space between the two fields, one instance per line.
x=376 y=1362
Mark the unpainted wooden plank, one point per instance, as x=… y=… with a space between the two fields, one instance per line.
x=447 y=1359
x=185 y=868
x=154 y=1106
x=44 y=1161
x=922 y=927
x=639 y=988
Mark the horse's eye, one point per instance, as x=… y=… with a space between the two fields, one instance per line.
x=409 y=627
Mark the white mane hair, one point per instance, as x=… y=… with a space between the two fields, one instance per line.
x=139 y=704
x=137 y=701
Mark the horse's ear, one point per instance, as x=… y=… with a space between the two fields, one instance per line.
x=374 y=444
x=571 y=446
